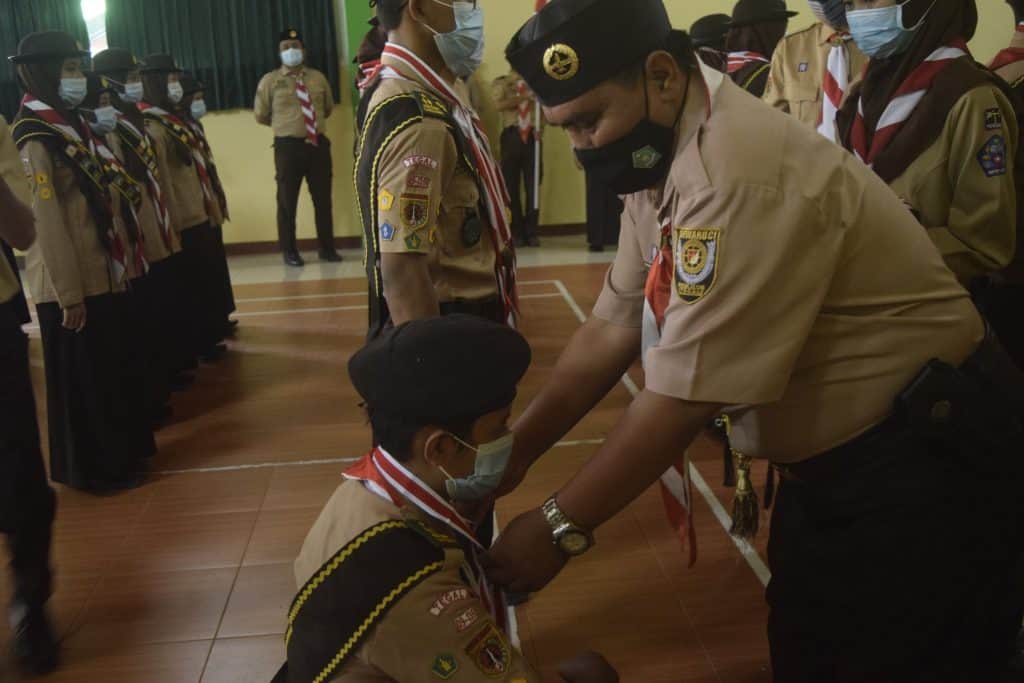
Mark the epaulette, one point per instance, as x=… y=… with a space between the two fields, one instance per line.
x=438 y=538
x=432 y=106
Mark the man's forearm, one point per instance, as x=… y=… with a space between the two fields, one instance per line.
x=18 y=227
x=595 y=359
x=408 y=289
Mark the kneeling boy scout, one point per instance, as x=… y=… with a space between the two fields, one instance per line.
x=390 y=584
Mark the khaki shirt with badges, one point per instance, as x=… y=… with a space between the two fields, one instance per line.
x=180 y=180
x=1011 y=73
x=68 y=261
x=797 y=78
x=435 y=631
x=963 y=185
x=155 y=248
x=429 y=203
x=277 y=103
x=804 y=297
x=13 y=172
x=504 y=90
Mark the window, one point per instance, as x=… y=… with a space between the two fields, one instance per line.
x=95 y=13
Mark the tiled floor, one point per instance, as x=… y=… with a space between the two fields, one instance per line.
x=188 y=578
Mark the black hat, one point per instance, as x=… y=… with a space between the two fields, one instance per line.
x=571 y=46
x=750 y=12
x=157 y=64
x=190 y=85
x=710 y=31
x=454 y=367
x=47 y=45
x=290 y=34
x=115 y=60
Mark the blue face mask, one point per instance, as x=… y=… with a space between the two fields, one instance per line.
x=198 y=109
x=106 y=121
x=463 y=48
x=880 y=33
x=73 y=90
x=133 y=92
x=491 y=461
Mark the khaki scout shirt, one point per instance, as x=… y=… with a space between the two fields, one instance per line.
x=277 y=104
x=805 y=296
x=426 y=195
x=180 y=181
x=68 y=262
x=796 y=81
x=1011 y=73
x=963 y=185
x=440 y=618
x=13 y=173
x=506 y=99
x=155 y=248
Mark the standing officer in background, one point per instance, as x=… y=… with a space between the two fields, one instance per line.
x=295 y=101
x=813 y=69
x=27 y=504
x=708 y=35
x=519 y=134
x=431 y=196
x=863 y=372
x=756 y=28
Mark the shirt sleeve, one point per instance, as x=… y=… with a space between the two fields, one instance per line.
x=775 y=90
x=414 y=170
x=750 y=273
x=981 y=235
x=328 y=95
x=11 y=167
x=261 y=107
x=442 y=631
x=621 y=302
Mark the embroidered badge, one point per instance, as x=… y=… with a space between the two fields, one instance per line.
x=385 y=200
x=646 y=158
x=992 y=157
x=415 y=210
x=413 y=242
x=696 y=257
x=993 y=119
x=420 y=182
x=45 y=193
x=489 y=652
x=466 y=619
x=432 y=105
x=561 y=62
x=42 y=178
x=444 y=667
x=387 y=232
x=446 y=600
x=804 y=66
x=420 y=160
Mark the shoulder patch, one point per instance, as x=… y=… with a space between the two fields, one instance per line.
x=466 y=619
x=387 y=232
x=420 y=160
x=385 y=200
x=413 y=242
x=697 y=252
x=449 y=598
x=415 y=210
x=992 y=157
x=432 y=105
x=993 y=119
x=489 y=652
x=444 y=667
x=419 y=182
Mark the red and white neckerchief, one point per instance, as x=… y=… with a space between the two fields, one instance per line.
x=368 y=73
x=156 y=192
x=100 y=150
x=118 y=253
x=1011 y=54
x=903 y=103
x=524 y=113
x=389 y=479
x=181 y=130
x=738 y=60
x=837 y=81
x=308 y=110
x=496 y=197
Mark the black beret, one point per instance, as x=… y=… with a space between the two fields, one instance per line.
x=290 y=34
x=154 y=64
x=453 y=367
x=571 y=46
x=710 y=31
x=47 y=45
x=750 y=12
x=116 y=60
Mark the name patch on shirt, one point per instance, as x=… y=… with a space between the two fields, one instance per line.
x=697 y=252
x=446 y=600
x=992 y=157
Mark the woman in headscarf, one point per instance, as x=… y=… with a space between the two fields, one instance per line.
x=77 y=273
x=937 y=127
x=192 y=109
x=755 y=30
x=191 y=189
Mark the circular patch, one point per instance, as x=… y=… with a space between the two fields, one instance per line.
x=46 y=193
x=472 y=231
x=694 y=257
x=561 y=62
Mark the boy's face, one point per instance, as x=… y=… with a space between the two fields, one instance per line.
x=456 y=458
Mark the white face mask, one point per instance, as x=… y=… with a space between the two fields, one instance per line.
x=175 y=92
x=133 y=92
x=106 y=121
x=73 y=90
x=198 y=109
x=292 y=57
x=463 y=48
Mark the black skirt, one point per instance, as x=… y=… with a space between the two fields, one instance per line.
x=199 y=246
x=176 y=296
x=99 y=433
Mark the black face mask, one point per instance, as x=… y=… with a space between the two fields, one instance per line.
x=638 y=161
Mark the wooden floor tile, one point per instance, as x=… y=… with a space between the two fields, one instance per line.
x=240 y=660
x=279 y=535
x=259 y=601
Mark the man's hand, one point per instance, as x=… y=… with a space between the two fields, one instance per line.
x=74 y=318
x=524 y=559
x=589 y=667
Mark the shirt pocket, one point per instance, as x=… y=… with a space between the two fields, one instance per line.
x=804 y=100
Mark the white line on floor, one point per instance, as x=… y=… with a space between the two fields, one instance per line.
x=724 y=518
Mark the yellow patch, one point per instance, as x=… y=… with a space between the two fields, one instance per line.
x=561 y=62
x=42 y=179
x=432 y=105
x=386 y=200
x=45 y=193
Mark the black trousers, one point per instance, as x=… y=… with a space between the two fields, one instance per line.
x=518 y=165
x=604 y=214
x=19 y=303
x=27 y=504
x=894 y=559
x=296 y=161
x=1003 y=306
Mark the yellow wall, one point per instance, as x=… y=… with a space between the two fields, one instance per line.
x=246 y=160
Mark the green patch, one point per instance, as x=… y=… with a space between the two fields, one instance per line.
x=445 y=667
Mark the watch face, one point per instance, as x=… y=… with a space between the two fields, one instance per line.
x=574 y=543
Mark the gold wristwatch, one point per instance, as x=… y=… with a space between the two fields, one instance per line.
x=570 y=538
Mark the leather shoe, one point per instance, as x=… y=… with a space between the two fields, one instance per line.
x=330 y=256
x=35 y=649
x=292 y=258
